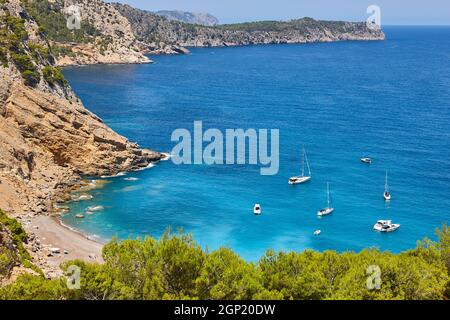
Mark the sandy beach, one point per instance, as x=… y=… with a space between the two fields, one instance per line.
x=71 y=244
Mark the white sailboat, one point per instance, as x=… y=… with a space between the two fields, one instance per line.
x=387 y=194
x=329 y=209
x=303 y=178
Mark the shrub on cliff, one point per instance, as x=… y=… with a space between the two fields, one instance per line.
x=8 y=257
x=19 y=237
x=13 y=35
x=53 y=75
x=10 y=244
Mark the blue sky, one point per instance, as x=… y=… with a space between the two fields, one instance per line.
x=394 y=12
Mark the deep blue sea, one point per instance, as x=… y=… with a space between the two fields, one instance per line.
x=389 y=100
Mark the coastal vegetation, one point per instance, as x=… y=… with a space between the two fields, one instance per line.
x=53 y=75
x=279 y=26
x=161 y=35
x=12 y=249
x=12 y=38
x=28 y=57
x=52 y=22
x=175 y=267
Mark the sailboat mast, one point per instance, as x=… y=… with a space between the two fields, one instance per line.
x=303 y=161
x=307 y=164
x=386 y=185
x=328 y=194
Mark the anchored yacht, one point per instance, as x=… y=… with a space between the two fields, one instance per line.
x=303 y=178
x=386 y=226
x=329 y=209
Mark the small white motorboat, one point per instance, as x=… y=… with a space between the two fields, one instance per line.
x=329 y=209
x=387 y=194
x=303 y=178
x=366 y=160
x=386 y=226
x=317 y=232
x=79 y=216
x=257 y=210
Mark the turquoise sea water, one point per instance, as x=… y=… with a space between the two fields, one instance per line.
x=389 y=100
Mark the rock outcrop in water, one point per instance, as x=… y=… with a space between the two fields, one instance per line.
x=48 y=139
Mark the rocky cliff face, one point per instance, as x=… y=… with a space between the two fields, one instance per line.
x=102 y=36
x=118 y=33
x=204 y=19
x=162 y=35
x=47 y=138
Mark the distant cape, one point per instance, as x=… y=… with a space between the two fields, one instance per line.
x=204 y=19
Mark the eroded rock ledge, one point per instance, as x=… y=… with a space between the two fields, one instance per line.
x=48 y=143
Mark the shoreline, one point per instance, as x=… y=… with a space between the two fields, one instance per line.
x=51 y=233
x=48 y=233
x=57 y=243
x=218 y=46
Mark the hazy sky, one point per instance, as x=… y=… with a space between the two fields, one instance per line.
x=403 y=12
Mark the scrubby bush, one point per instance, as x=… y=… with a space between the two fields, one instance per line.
x=175 y=267
x=19 y=236
x=29 y=287
x=53 y=75
x=53 y=23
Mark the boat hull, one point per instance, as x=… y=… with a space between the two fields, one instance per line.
x=386 y=226
x=325 y=212
x=299 y=180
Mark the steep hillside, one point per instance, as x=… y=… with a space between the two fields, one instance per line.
x=104 y=36
x=118 y=33
x=47 y=138
x=14 y=258
x=160 y=34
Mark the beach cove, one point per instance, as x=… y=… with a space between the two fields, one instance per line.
x=341 y=100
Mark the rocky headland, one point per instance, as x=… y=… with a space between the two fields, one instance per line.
x=160 y=35
x=48 y=139
x=115 y=33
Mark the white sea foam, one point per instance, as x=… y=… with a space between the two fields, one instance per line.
x=83 y=197
x=93 y=237
x=167 y=156
x=131 y=179
x=95 y=208
x=120 y=174
x=151 y=165
x=68 y=227
x=91 y=185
